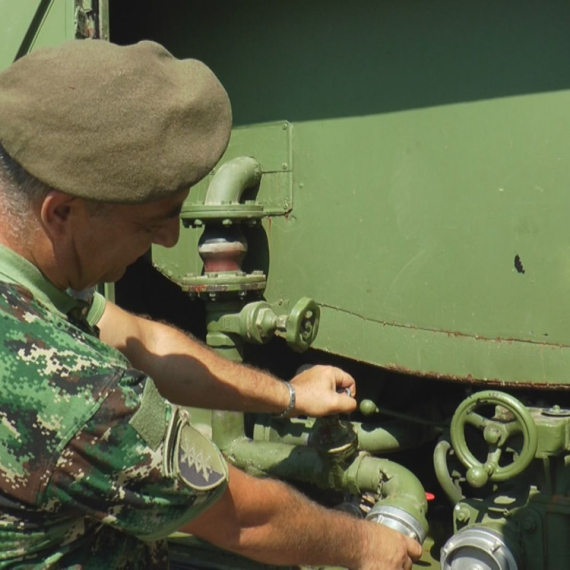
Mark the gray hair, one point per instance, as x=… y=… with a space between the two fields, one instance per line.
x=19 y=190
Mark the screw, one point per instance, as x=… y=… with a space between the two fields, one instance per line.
x=462 y=515
x=284 y=126
x=284 y=166
x=529 y=524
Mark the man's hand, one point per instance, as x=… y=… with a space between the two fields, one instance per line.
x=388 y=550
x=324 y=390
x=270 y=522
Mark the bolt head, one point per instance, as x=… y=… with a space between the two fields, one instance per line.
x=463 y=515
x=529 y=524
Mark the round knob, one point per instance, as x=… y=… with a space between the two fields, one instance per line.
x=477 y=477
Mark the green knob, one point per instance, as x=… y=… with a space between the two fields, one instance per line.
x=302 y=324
x=477 y=477
x=368 y=407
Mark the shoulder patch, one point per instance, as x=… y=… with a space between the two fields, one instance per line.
x=192 y=457
x=198 y=462
x=149 y=421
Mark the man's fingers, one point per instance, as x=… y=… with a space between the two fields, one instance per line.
x=344 y=380
x=414 y=548
x=324 y=390
x=346 y=403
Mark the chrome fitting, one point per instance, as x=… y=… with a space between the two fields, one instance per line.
x=397 y=519
x=477 y=548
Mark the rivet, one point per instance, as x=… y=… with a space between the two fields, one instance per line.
x=528 y=524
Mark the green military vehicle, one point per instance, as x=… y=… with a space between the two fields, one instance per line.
x=393 y=201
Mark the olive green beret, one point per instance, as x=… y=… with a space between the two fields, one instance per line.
x=115 y=124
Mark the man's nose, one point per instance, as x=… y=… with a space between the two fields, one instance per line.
x=168 y=234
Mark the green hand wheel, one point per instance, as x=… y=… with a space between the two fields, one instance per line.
x=509 y=418
x=302 y=324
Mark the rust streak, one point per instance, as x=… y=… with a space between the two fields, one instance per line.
x=469 y=379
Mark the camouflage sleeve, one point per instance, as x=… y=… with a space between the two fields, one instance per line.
x=137 y=465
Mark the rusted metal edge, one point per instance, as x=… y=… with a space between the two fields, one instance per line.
x=469 y=379
x=498 y=340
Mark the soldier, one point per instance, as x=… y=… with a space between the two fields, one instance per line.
x=99 y=145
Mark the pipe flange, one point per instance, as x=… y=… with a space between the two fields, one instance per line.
x=477 y=548
x=223 y=282
x=198 y=214
x=399 y=520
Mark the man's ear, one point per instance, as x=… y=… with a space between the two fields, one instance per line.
x=56 y=212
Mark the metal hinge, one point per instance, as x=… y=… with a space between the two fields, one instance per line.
x=92 y=19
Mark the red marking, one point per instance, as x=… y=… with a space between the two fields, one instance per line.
x=430 y=496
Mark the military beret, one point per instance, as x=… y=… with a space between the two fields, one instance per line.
x=124 y=124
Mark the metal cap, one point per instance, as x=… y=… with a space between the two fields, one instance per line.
x=397 y=519
x=477 y=548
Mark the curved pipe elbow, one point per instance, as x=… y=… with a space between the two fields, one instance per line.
x=440 y=454
x=397 y=485
x=403 y=503
x=232 y=179
x=402 y=487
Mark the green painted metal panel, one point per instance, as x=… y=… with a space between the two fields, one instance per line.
x=29 y=24
x=271 y=144
x=430 y=173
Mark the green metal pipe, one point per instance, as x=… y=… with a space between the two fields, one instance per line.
x=279 y=460
x=232 y=179
x=402 y=504
x=388 y=438
x=228 y=345
x=442 y=471
x=400 y=487
x=227 y=427
x=392 y=481
x=265 y=458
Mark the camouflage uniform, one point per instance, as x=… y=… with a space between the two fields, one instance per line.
x=96 y=468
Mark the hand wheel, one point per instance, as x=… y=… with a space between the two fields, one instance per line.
x=302 y=324
x=509 y=418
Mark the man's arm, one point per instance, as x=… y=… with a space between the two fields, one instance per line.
x=188 y=373
x=270 y=522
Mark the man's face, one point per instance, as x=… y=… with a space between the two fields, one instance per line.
x=107 y=241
